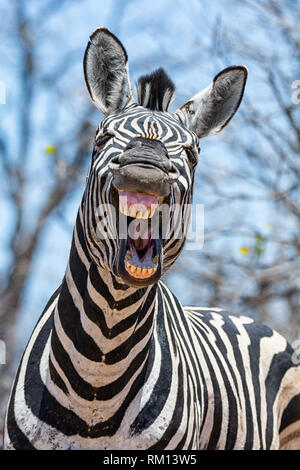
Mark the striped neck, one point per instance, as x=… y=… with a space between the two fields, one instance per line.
x=101 y=336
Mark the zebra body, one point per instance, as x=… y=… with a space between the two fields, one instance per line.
x=115 y=361
x=223 y=396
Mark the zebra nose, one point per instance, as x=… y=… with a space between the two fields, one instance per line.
x=144 y=167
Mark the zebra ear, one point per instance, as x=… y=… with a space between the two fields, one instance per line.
x=106 y=72
x=211 y=110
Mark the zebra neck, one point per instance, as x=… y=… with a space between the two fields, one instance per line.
x=102 y=331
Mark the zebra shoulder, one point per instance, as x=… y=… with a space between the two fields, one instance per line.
x=24 y=391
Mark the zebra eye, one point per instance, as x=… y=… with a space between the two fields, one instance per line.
x=192 y=156
x=102 y=140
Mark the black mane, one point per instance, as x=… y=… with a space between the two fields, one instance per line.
x=155 y=91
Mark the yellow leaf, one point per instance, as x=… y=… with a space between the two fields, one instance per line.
x=244 y=250
x=51 y=150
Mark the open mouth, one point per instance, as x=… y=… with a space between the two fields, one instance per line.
x=140 y=253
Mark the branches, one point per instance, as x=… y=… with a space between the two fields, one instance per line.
x=244 y=266
x=19 y=170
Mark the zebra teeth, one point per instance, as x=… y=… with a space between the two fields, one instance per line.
x=132 y=211
x=137 y=212
x=138 y=272
x=137 y=205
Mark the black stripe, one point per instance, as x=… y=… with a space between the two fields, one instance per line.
x=106 y=392
x=47 y=409
x=256 y=332
x=176 y=419
x=218 y=408
x=155 y=404
x=80 y=232
x=78 y=270
x=281 y=362
x=96 y=315
x=100 y=286
x=233 y=334
x=16 y=436
x=39 y=400
x=71 y=323
x=56 y=378
x=291 y=413
x=232 y=399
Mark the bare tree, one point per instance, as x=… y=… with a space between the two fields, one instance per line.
x=65 y=158
x=250 y=261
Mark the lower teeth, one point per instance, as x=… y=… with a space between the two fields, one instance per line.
x=133 y=269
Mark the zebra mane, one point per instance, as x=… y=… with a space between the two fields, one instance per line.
x=155 y=91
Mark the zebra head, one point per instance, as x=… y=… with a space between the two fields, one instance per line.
x=144 y=160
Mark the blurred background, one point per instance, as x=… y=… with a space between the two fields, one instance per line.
x=247 y=177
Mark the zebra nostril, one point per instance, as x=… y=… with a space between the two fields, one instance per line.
x=146 y=151
x=173 y=175
x=114 y=164
x=123 y=167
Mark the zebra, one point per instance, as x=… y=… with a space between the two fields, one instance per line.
x=115 y=361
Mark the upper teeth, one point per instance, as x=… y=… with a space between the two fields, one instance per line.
x=136 y=210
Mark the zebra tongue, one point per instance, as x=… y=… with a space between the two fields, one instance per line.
x=140 y=244
x=141 y=251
